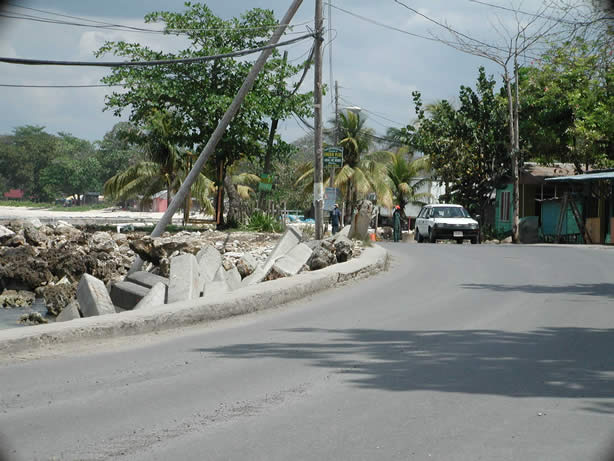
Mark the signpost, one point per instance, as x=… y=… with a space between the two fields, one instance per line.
x=266 y=182
x=333 y=157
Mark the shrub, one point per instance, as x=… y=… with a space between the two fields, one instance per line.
x=261 y=222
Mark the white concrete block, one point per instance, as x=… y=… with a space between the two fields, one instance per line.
x=292 y=262
x=93 y=297
x=184 y=280
x=155 y=297
x=70 y=312
x=289 y=240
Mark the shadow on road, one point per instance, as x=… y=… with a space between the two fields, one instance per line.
x=550 y=362
x=584 y=289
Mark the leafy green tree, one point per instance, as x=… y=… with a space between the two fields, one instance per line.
x=198 y=94
x=68 y=175
x=23 y=156
x=466 y=146
x=568 y=98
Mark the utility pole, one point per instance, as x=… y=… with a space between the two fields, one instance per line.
x=218 y=133
x=336 y=137
x=318 y=179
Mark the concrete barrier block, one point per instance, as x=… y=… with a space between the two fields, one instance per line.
x=146 y=279
x=155 y=297
x=216 y=287
x=70 y=312
x=93 y=297
x=233 y=278
x=127 y=294
x=292 y=262
x=209 y=261
x=289 y=240
x=184 y=280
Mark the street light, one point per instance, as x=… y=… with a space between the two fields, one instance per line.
x=354 y=109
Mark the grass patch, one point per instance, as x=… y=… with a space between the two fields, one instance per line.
x=24 y=204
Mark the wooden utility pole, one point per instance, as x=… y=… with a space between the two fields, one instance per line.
x=318 y=179
x=218 y=133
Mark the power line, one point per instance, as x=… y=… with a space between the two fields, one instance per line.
x=8 y=85
x=448 y=28
x=381 y=24
x=122 y=27
x=535 y=15
x=40 y=62
x=376 y=114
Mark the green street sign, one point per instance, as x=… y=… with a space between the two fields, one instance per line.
x=333 y=157
x=266 y=182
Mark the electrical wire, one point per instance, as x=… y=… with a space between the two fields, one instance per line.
x=375 y=114
x=535 y=15
x=448 y=28
x=8 y=85
x=381 y=24
x=121 y=27
x=40 y=62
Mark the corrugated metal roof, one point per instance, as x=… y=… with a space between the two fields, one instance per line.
x=584 y=177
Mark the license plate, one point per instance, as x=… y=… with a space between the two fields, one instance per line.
x=458 y=233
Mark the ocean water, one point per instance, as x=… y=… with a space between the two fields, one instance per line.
x=9 y=317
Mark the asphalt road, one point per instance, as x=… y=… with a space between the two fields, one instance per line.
x=456 y=353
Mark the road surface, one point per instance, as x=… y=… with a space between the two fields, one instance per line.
x=458 y=352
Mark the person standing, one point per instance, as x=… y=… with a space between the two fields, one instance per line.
x=335 y=218
x=396 y=216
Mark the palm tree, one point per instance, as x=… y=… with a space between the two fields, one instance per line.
x=407 y=175
x=361 y=173
x=165 y=167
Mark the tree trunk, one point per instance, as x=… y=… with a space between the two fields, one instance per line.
x=514 y=156
x=219 y=204
x=516 y=222
x=233 y=218
x=268 y=159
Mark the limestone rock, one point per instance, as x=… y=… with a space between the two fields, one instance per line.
x=32 y=318
x=16 y=240
x=34 y=236
x=5 y=233
x=57 y=296
x=35 y=222
x=246 y=265
x=321 y=257
x=14 y=298
x=344 y=249
x=102 y=241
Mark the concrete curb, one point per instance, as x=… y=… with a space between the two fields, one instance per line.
x=246 y=300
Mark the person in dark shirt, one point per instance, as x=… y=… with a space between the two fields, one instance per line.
x=335 y=218
x=397 y=223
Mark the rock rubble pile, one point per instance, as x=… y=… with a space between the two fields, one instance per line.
x=49 y=261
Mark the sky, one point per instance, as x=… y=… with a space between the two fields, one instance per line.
x=377 y=68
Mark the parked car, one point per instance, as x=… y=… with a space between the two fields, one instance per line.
x=446 y=222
